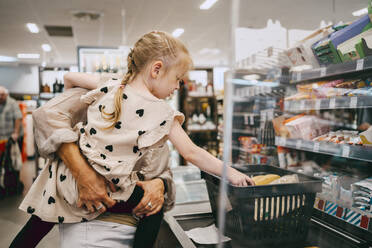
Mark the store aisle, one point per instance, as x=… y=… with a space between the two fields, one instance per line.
x=12 y=219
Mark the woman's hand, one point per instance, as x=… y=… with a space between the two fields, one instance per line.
x=92 y=188
x=153 y=193
x=239 y=179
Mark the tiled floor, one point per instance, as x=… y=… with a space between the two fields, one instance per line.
x=12 y=219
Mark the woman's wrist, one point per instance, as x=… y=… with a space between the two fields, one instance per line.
x=165 y=184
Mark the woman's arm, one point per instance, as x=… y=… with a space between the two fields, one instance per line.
x=82 y=80
x=201 y=158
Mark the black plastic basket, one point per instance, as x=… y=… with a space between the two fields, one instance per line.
x=259 y=216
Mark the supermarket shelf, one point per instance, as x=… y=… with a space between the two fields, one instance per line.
x=332 y=70
x=202 y=130
x=343 y=102
x=243 y=131
x=245 y=114
x=200 y=96
x=343 y=205
x=48 y=95
x=341 y=150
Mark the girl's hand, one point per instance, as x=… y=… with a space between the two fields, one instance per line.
x=239 y=179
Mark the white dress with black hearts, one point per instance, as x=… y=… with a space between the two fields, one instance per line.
x=144 y=123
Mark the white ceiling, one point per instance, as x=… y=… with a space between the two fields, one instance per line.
x=203 y=28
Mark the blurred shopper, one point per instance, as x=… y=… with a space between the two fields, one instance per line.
x=10 y=119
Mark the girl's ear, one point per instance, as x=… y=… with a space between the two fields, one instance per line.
x=155 y=69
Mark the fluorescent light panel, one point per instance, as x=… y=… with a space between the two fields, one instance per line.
x=177 y=32
x=46 y=47
x=32 y=27
x=28 y=55
x=208 y=4
x=360 y=12
x=7 y=59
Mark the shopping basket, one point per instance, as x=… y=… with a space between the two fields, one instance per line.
x=261 y=216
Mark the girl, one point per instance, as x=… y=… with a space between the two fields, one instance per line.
x=126 y=119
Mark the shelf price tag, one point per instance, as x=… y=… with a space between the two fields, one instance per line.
x=298 y=144
x=323 y=71
x=318 y=103
x=298 y=76
x=316 y=147
x=282 y=141
x=332 y=103
x=353 y=102
x=346 y=151
x=359 y=64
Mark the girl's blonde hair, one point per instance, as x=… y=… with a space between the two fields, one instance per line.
x=152 y=46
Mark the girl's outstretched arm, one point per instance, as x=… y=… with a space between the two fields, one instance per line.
x=201 y=158
x=82 y=80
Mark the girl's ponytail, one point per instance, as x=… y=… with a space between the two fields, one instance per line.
x=131 y=73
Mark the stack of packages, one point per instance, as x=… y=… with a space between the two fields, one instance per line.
x=306 y=127
x=332 y=45
x=341 y=137
x=334 y=88
x=362 y=195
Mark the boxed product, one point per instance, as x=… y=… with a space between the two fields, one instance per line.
x=325 y=49
x=301 y=53
x=352 y=49
x=341 y=137
x=306 y=127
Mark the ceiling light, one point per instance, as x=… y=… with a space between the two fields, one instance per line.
x=43 y=64
x=177 y=33
x=207 y=4
x=28 y=55
x=46 y=47
x=360 y=12
x=7 y=59
x=32 y=27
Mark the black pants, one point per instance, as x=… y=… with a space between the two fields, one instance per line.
x=147 y=229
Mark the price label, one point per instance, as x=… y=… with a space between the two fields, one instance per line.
x=360 y=64
x=353 y=102
x=323 y=71
x=246 y=119
x=298 y=144
x=345 y=151
x=251 y=120
x=282 y=141
x=263 y=116
x=286 y=105
x=316 y=147
x=332 y=103
x=318 y=103
x=298 y=76
x=302 y=106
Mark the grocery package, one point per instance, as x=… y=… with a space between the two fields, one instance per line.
x=265 y=179
x=306 y=127
x=341 y=137
x=352 y=49
x=366 y=137
x=362 y=195
x=286 y=179
x=301 y=53
x=325 y=49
